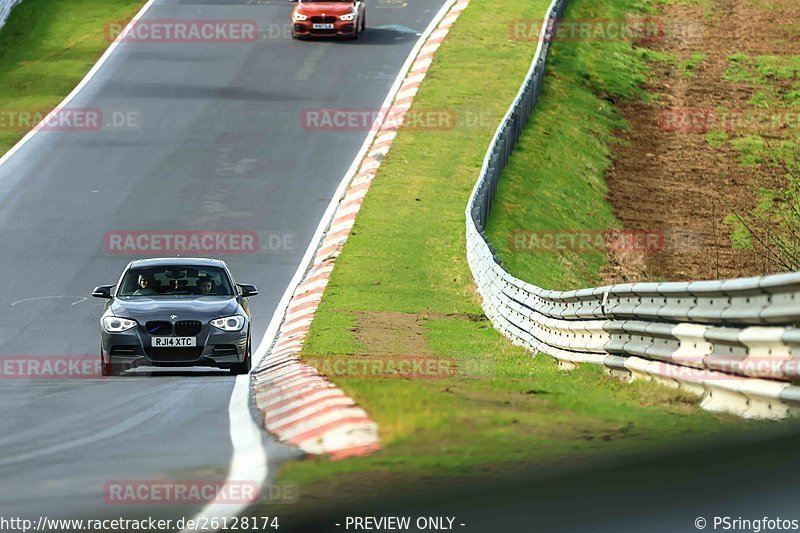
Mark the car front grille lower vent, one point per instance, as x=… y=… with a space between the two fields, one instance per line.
x=124 y=350
x=174 y=355
x=225 y=349
x=188 y=328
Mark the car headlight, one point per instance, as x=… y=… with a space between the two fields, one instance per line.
x=229 y=323
x=299 y=16
x=113 y=324
x=348 y=17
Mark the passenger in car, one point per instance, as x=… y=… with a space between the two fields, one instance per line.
x=206 y=286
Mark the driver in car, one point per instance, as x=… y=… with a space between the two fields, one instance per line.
x=145 y=286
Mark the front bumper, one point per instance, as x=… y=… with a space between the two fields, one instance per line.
x=215 y=348
x=305 y=28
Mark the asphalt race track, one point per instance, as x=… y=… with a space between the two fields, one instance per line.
x=212 y=139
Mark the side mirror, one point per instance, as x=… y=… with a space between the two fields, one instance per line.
x=248 y=290
x=103 y=291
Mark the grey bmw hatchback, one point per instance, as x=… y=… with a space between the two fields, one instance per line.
x=175 y=312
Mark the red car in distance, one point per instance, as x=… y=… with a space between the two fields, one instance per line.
x=328 y=18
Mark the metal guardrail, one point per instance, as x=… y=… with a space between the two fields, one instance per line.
x=5 y=9
x=735 y=342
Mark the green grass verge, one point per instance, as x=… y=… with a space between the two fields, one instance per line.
x=763 y=69
x=46 y=47
x=403 y=275
x=554 y=180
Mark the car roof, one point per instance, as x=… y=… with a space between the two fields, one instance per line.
x=177 y=261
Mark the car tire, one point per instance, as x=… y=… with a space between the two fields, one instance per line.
x=364 y=22
x=244 y=366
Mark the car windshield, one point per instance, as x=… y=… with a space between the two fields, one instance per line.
x=175 y=280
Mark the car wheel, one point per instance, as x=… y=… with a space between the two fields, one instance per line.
x=244 y=366
x=364 y=22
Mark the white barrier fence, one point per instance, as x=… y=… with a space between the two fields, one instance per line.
x=734 y=342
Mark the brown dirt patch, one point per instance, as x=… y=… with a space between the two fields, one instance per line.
x=391 y=333
x=394 y=333
x=675 y=181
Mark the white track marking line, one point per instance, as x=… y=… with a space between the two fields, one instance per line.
x=249 y=461
x=37 y=298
